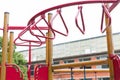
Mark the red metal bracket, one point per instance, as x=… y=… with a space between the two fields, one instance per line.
x=116 y=66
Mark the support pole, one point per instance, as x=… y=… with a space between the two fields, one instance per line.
x=11 y=48
x=29 y=53
x=49 y=50
x=4 y=46
x=84 y=73
x=29 y=63
x=72 y=74
x=109 y=47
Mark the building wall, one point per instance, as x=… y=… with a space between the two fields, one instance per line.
x=85 y=46
x=80 y=75
x=75 y=51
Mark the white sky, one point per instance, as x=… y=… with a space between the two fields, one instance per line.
x=22 y=10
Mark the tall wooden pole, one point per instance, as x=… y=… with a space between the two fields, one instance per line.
x=109 y=47
x=49 y=50
x=11 y=48
x=4 y=46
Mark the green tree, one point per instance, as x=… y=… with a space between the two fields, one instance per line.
x=0 y=43
x=18 y=59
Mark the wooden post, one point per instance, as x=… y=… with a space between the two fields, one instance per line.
x=109 y=47
x=4 y=46
x=49 y=50
x=11 y=48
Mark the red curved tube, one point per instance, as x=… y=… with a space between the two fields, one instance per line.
x=76 y=20
x=107 y=13
x=26 y=43
x=59 y=13
x=20 y=77
x=39 y=42
x=43 y=34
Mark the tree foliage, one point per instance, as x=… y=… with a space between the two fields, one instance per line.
x=0 y=43
x=18 y=59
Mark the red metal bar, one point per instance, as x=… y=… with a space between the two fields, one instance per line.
x=114 y=5
x=23 y=27
x=1 y=28
x=27 y=44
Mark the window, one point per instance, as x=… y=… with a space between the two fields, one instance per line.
x=69 y=61
x=86 y=67
x=101 y=58
x=106 y=78
x=86 y=79
x=85 y=59
x=56 y=62
x=105 y=66
x=32 y=69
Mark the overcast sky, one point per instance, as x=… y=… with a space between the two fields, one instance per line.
x=22 y=10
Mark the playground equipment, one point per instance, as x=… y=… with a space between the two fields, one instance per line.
x=116 y=65
x=8 y=68
x=42 y=38
x=13 y=72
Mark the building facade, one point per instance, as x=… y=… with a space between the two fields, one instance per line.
x=77 y=51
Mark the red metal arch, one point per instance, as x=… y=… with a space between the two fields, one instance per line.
x=114 y=3
x=106 y=10
x=32 y=24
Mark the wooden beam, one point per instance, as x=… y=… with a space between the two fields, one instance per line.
x=78 y=64
x=80 y=70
